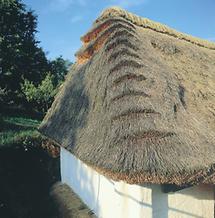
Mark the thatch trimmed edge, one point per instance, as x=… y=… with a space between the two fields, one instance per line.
x=203 y=176
x=146 y=23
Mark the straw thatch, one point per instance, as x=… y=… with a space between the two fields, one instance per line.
x=139 y=104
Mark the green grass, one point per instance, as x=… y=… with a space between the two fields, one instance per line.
x=20 y=121
x=19 y=130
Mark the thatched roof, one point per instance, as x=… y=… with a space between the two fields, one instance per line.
x=139 y=103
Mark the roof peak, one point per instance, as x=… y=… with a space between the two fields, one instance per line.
x=116 y=11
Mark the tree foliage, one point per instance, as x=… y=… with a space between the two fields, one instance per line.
x=42 y=95
x=59 y=68
x=22 y=59
x=20 y=55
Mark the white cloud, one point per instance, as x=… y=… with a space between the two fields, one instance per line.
x=128 y=3
x=76 y=19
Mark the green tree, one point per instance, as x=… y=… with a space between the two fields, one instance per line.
x=20 y=55
x=2 y=97
x=41 y=96
x=59 y=68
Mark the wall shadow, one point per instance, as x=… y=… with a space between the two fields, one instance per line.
x=161 y=204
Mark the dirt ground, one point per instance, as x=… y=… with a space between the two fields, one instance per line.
x=69 y=204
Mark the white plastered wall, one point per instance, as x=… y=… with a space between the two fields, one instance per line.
x=110 y=199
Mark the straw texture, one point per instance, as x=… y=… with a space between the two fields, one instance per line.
x=139 y=104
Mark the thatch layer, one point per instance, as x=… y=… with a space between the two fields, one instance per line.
x=140 y=107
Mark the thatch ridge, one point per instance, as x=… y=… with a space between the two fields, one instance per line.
x=140 y=109
x=146 y=23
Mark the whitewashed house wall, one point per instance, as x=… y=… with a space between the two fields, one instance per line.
x=110 y=199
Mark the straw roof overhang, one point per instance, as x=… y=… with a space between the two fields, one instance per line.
x=139 y=103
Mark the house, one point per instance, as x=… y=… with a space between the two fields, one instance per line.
x=135 y=120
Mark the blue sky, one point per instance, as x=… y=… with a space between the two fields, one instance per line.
x=62 y=22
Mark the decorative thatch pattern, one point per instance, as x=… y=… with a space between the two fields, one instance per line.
x=139 y=105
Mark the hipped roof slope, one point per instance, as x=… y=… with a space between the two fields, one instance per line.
x=139 y=103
